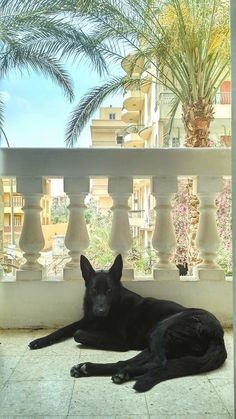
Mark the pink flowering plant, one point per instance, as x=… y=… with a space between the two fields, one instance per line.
x=181 y=223
x=224 y=225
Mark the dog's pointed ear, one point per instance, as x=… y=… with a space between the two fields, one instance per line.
x=86 y=268
x=116 y=268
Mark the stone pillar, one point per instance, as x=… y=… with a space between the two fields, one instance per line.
x=120 y=241
x=207 y=239
x=164 y=239
x=31 y=239
x=77 y=238
x=1 y=226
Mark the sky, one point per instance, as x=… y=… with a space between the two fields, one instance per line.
x=37 y=110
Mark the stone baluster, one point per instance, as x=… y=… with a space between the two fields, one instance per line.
x=31 y=240
x=207 y=239
x=164 y=239
x=77 y=238
x=120 y=241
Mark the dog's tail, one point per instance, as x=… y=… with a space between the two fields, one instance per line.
x=213 y=358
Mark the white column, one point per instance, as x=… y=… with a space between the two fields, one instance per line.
x=31 y=240
x=164 y=239
x=120 y=241
x=1 y=225
x=207 y=239
x=77 y=238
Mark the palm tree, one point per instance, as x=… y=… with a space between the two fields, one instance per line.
x=35 y=37
x=186 y=43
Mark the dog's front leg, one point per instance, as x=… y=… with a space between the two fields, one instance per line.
x=102 y=340
x=57 y=336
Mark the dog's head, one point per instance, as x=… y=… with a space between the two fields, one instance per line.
x=102 y=287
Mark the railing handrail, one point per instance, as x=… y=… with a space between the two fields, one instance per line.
x=54 y=162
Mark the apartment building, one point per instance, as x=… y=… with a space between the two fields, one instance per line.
x=12 y=207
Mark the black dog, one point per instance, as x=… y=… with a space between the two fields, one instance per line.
x=175 y=341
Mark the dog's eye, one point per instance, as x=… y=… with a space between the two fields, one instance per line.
x=109 y=291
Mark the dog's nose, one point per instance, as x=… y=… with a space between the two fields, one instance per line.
x=101 y=310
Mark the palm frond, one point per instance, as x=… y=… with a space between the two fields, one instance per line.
x=90 y=103
x=2 y=109
x=21 y=58
x=175 y=102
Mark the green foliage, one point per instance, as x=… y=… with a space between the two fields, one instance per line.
x=37 y=35
x=142 y=259
x=99 y=252
x=59 y=211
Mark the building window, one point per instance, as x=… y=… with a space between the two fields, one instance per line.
x=17 y=220
x=112 y=116
x=175 y=142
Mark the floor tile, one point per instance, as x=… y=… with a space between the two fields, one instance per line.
x=100 y=397
x=7 y=367
x=36 y=398
x=193 y=416
x=44 y=368
x=192 y=395
x=42 y=386
x=225 y=390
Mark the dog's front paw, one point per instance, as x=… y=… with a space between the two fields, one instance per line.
x=37 y=343
x=79 y=370
x=120 y=377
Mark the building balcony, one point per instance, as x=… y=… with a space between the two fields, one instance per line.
x=17 y=209
x=35 y=297
x=222 y=106
x=146 y=82
x=133 y=100
x=130 y=117
x=133 y=140
x=145 y=133
x=131 y=65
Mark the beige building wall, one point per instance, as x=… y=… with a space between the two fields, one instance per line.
x=51 y=230
x=106 y=127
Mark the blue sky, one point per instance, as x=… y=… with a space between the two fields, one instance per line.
x=37 y=110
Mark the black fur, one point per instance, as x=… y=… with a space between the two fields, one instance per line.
x=175 y=341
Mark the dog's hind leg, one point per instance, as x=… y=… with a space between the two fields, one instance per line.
x=92 y=369
x=133 y=370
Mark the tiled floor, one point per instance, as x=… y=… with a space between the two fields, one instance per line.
x=37 y=384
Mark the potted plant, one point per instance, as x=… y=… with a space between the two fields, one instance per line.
x=226 y=138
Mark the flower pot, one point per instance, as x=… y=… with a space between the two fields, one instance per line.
x=225 y=140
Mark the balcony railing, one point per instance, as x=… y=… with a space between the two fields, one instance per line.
x=223 y=98
x=33 y=293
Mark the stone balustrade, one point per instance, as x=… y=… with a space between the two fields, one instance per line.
x=121 y=167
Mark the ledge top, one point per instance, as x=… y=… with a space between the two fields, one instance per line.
x=113 y=162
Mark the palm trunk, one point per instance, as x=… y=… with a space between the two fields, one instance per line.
x=196 y=117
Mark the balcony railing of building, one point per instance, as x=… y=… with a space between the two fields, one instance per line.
x=27 y=299
x=221 y=98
